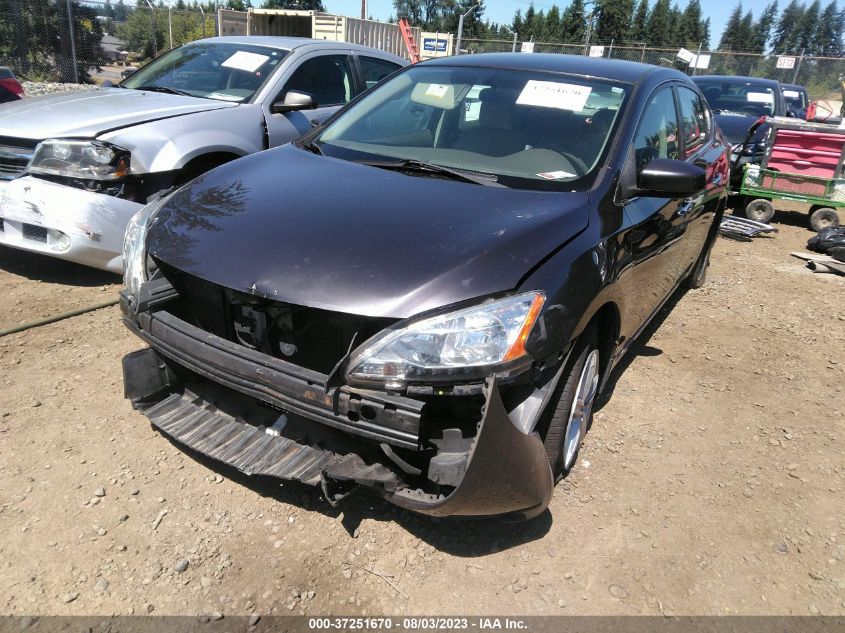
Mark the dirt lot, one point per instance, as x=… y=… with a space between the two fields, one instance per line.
x=713 y=482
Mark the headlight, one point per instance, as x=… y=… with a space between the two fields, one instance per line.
x=134 y=248
x=91 y=160
x=462 y=345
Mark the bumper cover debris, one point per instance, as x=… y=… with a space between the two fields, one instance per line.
x=507 y=471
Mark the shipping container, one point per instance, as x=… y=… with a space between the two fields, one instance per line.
x=323 y=26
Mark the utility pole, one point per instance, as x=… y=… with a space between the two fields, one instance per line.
x=798 y=67
x=697 y=57
x=363 y=9
x=170 y=25
x=72 y=42
x=461 y=28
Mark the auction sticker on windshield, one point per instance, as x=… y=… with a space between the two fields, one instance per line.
x=761 y=97
x=551 y=94
x=242 y=60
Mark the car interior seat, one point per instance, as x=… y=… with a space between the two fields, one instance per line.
x=496 y=133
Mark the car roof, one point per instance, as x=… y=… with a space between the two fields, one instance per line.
x=774 y=83
x=613 y=69
x=795 y=87
x=291 y=43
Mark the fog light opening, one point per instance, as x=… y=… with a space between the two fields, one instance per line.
x=61 y=241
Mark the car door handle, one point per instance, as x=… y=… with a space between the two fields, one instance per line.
x=685 y=208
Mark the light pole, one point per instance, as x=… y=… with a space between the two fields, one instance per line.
x=461 y=27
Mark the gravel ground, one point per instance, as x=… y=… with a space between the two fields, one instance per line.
x=38 y=88
x=711 y=482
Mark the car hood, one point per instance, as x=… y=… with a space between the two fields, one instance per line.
x=735 y=127
x=88 y=114
x=304 y=229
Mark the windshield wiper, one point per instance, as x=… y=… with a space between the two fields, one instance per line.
x=311 y=146
x=478 y=178
x=165 y=89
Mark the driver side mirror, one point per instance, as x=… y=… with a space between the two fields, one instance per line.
x=665 y=177
x=294 y=101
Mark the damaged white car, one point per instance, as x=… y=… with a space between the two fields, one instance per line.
x=75 y=167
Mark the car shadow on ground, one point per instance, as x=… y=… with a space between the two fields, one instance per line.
x=639 y=347
x=52 y=270
x=462 y=537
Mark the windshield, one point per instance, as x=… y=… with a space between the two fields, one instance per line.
x=213 y=70
x=529 y=130
x=735 y=97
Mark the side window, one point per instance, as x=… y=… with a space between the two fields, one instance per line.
x=657 y=136
x=374 y=70
x=326 y=78
x=694 y=121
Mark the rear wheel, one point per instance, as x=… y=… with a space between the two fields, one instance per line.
x=568 y=416
x=823 y=218
x=760 y=210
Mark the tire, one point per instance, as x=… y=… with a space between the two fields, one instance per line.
x=698 y=275
x=560 y=439
x=824 y=218
x=760 y=210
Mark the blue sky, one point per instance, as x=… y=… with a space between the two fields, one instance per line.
x=502 y=11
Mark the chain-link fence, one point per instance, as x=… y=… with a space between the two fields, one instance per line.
x=88 y=40
x=819 y=74
x=73 y=41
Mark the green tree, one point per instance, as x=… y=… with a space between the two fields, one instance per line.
x=639 y=24
x=553 y=29
x=829 y=34
x=528 y=23
x=516 y=24
x=614 y=20
x=575 y=21
x=763 y=28
x=787 y=38
x=659 y=24
x=690 y=26
x=808 y=27
x=119 y=11
x=731 y=34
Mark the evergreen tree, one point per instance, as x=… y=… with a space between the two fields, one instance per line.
x=302 y=5
x=639 y=24
x=729 y=40
x=575 y=22
x=705 y=34
x=745 y=35
x=614 y=20
x=553 y=30
x=119 y=11
x=787 y=36
x=516 y=24
x=763 y=28
x=528 y=23
x=690 y=26
x=809 y=26
x=659 y=24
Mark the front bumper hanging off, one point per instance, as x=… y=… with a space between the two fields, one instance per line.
x=332 y=444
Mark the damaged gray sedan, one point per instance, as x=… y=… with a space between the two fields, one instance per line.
x=424 y=296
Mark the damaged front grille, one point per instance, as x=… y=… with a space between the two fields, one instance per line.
x=14 y=157
x=288 y=358
x=307 y=337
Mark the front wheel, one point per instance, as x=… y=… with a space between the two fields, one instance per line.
x=568 y=417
